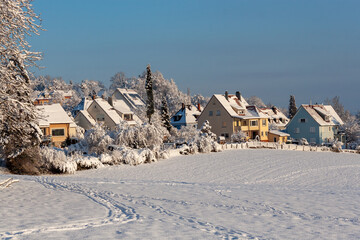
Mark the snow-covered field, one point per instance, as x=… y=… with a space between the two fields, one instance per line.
x=237 y=194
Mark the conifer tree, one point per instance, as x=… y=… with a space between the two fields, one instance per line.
x=292 y=107
x=165 y=117
x=150 y=106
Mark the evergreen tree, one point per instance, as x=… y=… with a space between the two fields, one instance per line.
x=150 y=106
x=165 y=117
x=292 y=107
x=19 y=131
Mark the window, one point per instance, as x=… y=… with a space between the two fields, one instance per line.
x=235 y=123
x=275 y=139
x=244 y=123
x=239 y=123
x=100 y=117
x=128 y=117
x=302 y=120
x=253 y=123
x=58 y=132
x=312 y=129
x=297 y=130
x=177 y=118
x=224 y=124
x=226 y=135
x=312 y=140
x=262 y=133
x=217 y=112
x=264 y=122
x=210 y=113
x=266 y=133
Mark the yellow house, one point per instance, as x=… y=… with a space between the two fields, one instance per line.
x=278 y=136
x=228 y=114
x=55 y=124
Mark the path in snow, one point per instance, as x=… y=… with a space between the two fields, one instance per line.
x=240 y=194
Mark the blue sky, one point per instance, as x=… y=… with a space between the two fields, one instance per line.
x=269 y=48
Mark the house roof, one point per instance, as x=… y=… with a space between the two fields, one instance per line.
x=188 y=115
x=88 y=117
x=279 y=133
x=132 y=97
x=324 y=115
x=121 y=106
x=108 y=109
x=275 y=113
x=83 y=105
x=239 y=109
x=53 y=114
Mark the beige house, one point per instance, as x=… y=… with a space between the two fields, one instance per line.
x=55 y=124
x=228 y=114
x=125 y=102
x=98 y=111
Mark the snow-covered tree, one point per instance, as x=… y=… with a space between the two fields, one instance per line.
x=89 y=88
x=338 y=107
x=198 y=98
x=256 y=101
x=292 y=107
x=351 y=129
x=145 y=135
x=150 y=106
x=238 y=136
x=19 y=129
x=165 y=118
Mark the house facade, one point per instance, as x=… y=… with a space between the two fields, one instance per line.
x=228 y=114
x=186 y=116
x=102 y=112
x=126 y=102
x=318 y=124
x=55 y=124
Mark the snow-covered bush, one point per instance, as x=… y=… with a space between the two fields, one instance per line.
x=238 y=137
x=55 y=160
x=204 y=141
x=97 y=140
x=140 y=136
x=85 y=162
x=337 y=146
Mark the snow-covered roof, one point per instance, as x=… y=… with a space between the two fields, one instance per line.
x=121 y=106
x=239 y=109
x=88 y=117
x=83 y=105
x=279 y=133
x=53 y=114
x=132 y=97
x=275 y=114
x=324 y=115
x=109 y=110
x=187 y=115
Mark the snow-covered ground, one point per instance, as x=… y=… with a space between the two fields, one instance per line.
x=237 y=194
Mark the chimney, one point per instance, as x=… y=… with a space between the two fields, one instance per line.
x=199 y=107
x=110 y=101
x=183 y=106
x=238 y=95
x=227 y=95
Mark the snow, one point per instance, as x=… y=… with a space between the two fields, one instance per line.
x=315 y=112
x=237 y=194
x=52 y=114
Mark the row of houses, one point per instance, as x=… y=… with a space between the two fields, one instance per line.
x=227 y=114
